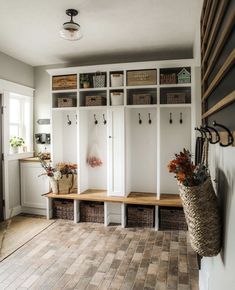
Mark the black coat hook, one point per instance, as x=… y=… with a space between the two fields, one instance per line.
x=170 y=121
x=181 y=117
x=95 y=120
x=69 y=121
x=203 y=135
x=205 y=131
x=140 y=121
x=105 y=122
x=217 y=139
x=230 y=135
x=150 y=121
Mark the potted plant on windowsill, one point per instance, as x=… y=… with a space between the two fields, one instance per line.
x=16 y=143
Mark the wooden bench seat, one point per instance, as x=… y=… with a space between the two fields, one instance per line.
x=133 y=198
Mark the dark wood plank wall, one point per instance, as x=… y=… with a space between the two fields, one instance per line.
x=217 y=62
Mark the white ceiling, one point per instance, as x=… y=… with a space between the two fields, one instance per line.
x=111 y=28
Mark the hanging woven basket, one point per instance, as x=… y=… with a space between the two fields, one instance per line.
x=203 y=218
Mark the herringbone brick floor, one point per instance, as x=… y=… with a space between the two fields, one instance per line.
x=91 y=256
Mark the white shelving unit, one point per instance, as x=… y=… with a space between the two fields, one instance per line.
x=134 y=155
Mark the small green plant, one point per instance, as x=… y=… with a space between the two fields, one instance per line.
x=85 y=81
x=16 y=142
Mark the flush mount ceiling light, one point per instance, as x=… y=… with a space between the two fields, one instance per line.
x=71 y=30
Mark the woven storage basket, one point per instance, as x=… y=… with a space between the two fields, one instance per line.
x=92 y=212
x=63 y=209
x=203 y=218
x=140 y=216
x=172 y=218
x=95 y=101
x=142 y=99
x=167 y=79
x=66 y=102
x=99 y=80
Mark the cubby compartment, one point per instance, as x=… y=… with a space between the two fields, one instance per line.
x=142 y=96
x=176 y=75
x=64 y=100
x=175 y=95
x=116 y=79
x=93 y=98
x=64 y=136
x=175 y=134
x=93 y=80
x=141 y=150
x=117 y=97
x=114 y=213
x=92 y=150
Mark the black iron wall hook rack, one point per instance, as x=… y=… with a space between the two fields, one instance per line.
x=205 y=130
x=150 y=121
x=69 y=122
x=217 y=136
x=140 y=121
x=230 y=135
x=104 y=120
x=95 y=120
x=203 y=134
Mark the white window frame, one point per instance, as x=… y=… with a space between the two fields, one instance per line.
x=21 y=124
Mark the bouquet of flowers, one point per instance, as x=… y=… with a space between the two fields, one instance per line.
x=62 y=176
x=185 y=171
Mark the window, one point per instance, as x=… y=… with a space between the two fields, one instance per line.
x=20 y=119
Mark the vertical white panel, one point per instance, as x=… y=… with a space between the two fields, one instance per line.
x=116 y=152
x=173 y=139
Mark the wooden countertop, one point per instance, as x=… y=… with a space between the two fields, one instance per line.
x=31 y=159
x=141 y=198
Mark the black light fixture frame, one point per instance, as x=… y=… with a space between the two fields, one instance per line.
x=71 y=13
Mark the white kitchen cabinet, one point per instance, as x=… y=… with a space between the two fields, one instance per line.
x=33 y=186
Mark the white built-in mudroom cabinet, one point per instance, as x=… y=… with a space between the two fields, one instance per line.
x=135 y=141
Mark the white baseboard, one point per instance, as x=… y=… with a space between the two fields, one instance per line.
x=37 y=211
x=114 y=218
x=16 y=210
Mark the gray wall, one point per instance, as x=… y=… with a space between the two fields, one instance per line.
x=218 y=272
x=16 y=71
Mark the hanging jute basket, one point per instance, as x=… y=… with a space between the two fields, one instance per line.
x=203 y=218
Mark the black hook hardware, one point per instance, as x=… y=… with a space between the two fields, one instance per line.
x=230 y=135
x=105 y=122
x=203 y=134
x=140 y=121
x=69 y=121
x=96 y=121
x=205 y=131
x=181 y=118
x=170 y=121
x=217 y=139
x=150 y=121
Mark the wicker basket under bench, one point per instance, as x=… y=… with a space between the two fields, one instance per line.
x=140 y=216
x=172 y=218
x=91 y=211
x=63 y=209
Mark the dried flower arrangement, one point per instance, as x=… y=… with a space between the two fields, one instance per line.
x=59 y=170
x=185 y=171
x=61 y=177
